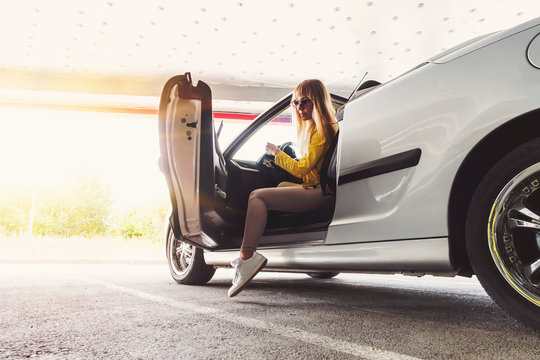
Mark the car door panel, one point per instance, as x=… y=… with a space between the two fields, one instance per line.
x=209 y=191
x=386 y=204
x=190 y=160
x=183 y=118
x=371 y=192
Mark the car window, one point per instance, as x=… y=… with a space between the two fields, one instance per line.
x=277 y=131
x=229 y=131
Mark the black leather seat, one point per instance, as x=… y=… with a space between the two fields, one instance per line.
x=320 y=217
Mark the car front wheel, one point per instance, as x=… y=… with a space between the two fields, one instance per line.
x=186 y=262
x=503 y=233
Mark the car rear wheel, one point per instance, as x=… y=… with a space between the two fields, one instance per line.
x=186 y=262
x=323 y=275
x=503 y=233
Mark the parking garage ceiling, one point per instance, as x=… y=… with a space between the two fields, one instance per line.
x=245 y=49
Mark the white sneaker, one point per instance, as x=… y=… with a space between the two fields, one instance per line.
x=245 y=270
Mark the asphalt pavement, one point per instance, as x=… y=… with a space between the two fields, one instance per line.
x=107 y=311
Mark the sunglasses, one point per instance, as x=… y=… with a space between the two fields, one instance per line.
x=301 y=103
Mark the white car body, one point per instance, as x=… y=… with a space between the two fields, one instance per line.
x=445 y=108
x=412 y=156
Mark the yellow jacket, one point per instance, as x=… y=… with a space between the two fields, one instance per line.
x=308 y=167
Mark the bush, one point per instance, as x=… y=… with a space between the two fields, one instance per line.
x=80 y=206
x=142 y=222
x=15 y=211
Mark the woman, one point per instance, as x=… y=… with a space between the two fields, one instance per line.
x=315 y=119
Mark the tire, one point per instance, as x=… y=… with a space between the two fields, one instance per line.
x=323 y=275
x=186 y=262
x=503 y=233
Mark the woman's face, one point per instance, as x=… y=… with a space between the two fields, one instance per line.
x=304 y=107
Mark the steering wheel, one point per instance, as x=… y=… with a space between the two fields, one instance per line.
x=266 y=161
x=268 y=167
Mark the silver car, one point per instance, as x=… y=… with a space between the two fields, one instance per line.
x=434 y=172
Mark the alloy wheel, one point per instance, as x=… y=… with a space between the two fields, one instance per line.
x=181 y=256
x=514 y=233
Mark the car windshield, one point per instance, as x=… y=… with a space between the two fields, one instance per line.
x=277 y=131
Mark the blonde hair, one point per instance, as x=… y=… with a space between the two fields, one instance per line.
x=324 y=114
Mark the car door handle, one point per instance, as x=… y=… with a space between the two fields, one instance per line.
x=220 y=192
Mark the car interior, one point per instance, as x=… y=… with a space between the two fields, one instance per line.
x=244 y=176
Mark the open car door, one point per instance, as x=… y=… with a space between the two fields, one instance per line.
x=188 y=147
x=209 y=191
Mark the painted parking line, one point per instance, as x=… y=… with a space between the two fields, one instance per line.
x=346 y=347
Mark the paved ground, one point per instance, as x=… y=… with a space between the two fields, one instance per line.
x=106 y=249
x=108 y=311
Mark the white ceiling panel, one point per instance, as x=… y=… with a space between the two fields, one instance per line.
x=96 y=46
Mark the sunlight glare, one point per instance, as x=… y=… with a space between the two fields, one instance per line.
x=44 y=147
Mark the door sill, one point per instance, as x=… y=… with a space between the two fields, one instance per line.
x=421 y=255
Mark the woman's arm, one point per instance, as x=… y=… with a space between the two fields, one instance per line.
x=317 y=147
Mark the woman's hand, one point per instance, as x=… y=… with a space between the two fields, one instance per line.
x=272 y=149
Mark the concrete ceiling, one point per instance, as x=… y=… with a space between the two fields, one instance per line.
x=245 y=49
